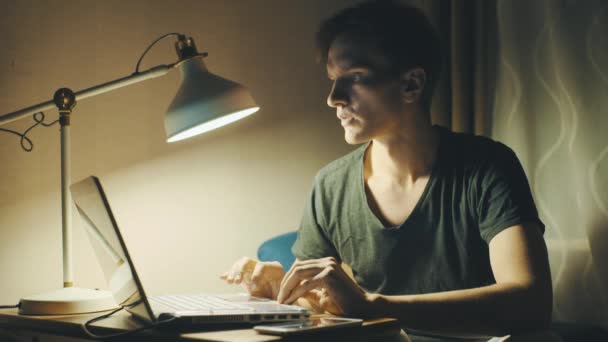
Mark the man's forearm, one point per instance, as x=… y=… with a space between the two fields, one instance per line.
x=493 y=310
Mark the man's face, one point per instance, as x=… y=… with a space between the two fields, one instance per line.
x=367 y=97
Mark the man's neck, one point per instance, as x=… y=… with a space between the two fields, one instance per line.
x=404 y=157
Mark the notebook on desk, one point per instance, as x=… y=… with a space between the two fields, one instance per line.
x=127 y=289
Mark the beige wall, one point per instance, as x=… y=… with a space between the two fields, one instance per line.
x=188 y=209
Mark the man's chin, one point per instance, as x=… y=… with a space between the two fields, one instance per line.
x=352 y=139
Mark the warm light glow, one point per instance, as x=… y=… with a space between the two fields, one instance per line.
x=213 y=124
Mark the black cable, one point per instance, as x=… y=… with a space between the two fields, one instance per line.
x=39 y=118
x=149 y=47
x=10 y=306
x=92 y=335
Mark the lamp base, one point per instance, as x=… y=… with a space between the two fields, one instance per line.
x=66 y=301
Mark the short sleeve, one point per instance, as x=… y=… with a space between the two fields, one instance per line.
x=312 y=241
x=504 y=198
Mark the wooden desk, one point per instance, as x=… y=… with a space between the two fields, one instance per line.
x=11 y=323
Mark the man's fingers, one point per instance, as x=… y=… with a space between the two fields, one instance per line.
x=289 y=273
x=298 y=274
x=314 y=294
x=230 y=274
x=238 y=270
x=315 y=261
x=257 y=271
x=301 y=271
x=324 y=262
x=275 y=289
x=234 y=272
x=328 y=305
x=230 y=278
x=238 y=278
x=302 y=289
x=324 y=302
x=310 y=300
x=319 y=279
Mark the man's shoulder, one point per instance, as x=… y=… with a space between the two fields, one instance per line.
x=474 y=149
x=341 y=168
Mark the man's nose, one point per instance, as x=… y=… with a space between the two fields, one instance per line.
x=338 y=96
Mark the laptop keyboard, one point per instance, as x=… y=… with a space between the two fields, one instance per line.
x=195 y=302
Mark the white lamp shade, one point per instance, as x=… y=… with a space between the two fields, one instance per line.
x=204 y=102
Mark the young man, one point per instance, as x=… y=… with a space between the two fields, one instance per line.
x=440 y=229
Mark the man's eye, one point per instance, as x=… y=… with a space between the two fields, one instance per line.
x=357 y=77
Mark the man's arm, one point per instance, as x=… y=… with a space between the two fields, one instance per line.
x=520 y=301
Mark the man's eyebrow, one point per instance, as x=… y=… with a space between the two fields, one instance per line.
x=348 y=65
x=351 y=64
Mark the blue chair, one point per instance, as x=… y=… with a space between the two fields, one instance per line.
x=279 y=249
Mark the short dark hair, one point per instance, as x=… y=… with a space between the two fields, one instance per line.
x=402 y=33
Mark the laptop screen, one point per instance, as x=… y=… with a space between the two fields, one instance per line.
x=108 y=244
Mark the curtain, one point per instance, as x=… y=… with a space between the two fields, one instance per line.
x=550 y=106
x=467 y=30
x=534 y=75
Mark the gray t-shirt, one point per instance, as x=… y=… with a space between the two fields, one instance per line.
x=477 y=188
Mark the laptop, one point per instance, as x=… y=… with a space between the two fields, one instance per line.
x=196 y=309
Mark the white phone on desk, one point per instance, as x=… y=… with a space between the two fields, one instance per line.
x=311 y=325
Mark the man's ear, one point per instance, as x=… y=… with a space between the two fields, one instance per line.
x=412 y=84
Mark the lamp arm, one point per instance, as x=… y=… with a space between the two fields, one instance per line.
x=154 y=72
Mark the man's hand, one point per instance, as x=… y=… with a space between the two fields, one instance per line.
x=319 y=302
x=339 y=293
x=260 y=279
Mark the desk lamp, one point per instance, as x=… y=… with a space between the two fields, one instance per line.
x=203 y=102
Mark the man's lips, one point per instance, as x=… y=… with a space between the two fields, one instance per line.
x=346 y=122
x=346 y=118
x=344 y=115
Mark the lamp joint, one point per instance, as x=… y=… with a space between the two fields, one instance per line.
x=64 y=118
x=64 y=99
x=185 y=47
